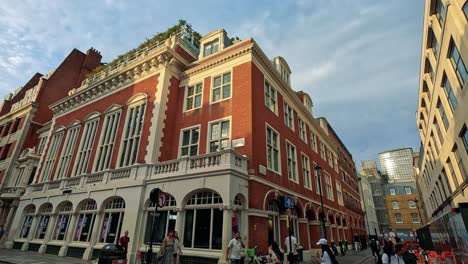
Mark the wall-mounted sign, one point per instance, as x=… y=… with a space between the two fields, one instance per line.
x=238 y=142
x=262 y=169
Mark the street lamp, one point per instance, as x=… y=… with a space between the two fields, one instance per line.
x=317 y=169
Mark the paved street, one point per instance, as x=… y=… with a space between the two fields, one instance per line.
x=20 y=257
x=353 y=257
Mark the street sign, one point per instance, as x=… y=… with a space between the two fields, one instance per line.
x=161 y=199
x=288 y=202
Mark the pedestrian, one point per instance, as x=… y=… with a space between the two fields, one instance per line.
x=177 y=247
x=276 y=257
x=291 y=253
x=167 y=250
x=333 y=247
x=123 y=241
x=375 y=248
x=357 y=246
x=2 y=231
x=387 y=252
x=341 y=247
x=327 y=256
x=409 y=257
x=234 y=249
x=397 y=257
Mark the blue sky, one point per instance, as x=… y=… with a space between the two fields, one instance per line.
x=358 y=59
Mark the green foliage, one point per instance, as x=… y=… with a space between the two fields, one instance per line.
x=159 y=37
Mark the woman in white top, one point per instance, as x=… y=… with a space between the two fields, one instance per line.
x=327 y=254
x=387 y=252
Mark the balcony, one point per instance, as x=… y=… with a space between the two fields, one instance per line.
x=12 y=192
x=227 y=160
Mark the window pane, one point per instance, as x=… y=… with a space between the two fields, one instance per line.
x=226 y=91
x=186 y=138
x=202 y=228
x=197 y=101
x=225 y=129
x=62 y=227
x=227 y=77
x=188 y=228
x=217 y=81
x=190 y=91
x=217 y=229
x=216 y=95
x=462 y=70
x=199 y=88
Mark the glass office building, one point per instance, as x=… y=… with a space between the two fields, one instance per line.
x=397 y=164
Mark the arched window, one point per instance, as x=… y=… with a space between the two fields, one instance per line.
x=84 y=226
x=204 y=221
x=133 y=126
x=112 y=221
x=63 y=219
x=44 y=217
x=28 y=218
x=164 y=220
x=273 y=222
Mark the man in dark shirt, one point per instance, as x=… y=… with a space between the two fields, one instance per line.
x=123 y=241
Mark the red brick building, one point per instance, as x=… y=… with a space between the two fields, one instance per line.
x=219 y=129
x=24 y=119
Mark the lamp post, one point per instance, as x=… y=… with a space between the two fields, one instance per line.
x=317 y=169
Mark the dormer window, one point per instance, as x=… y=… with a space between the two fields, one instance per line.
x=211 y=47
x=284 y=74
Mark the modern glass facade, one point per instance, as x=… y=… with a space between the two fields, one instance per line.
x=397 y=165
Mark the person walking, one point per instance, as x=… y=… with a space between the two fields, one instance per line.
x=334 y=249
x=123 y=241
x=375 y=248
x=292 y=258
x=274 y=253
x=327 y=255
x=167 y=250
x=234 y=249
x=387 y=252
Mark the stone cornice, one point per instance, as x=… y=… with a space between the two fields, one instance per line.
x=240 y=49
x=114 y=78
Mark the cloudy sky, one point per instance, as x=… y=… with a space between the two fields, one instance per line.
x=358 y=59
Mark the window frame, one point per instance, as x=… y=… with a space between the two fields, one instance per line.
x=293 y=161
x=278 y=143
x=194 y=95
x=464 y=137
x=306 y=171
x=288 y=115
x=443 y=115
x=417 y=217
x=268 y=89
x=390 y=190
x=395 y=205
x=109 y=211
x=411 y=204
x=410 y=190
x=142 y=102
x=302 y=127
x=111 y=143
x=50 y=158
x=170 y=207
x=210 y=43
x=208 y=135
x=81 y=164
x=201 y=206
x=400 y=217
x=181 y=138
x=339 y=192
x=66 y=155
x=455 y=62
x=313 y=141
x=220 y=87
x=449 y=93
x=329 y=186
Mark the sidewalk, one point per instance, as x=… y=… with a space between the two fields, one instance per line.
x=353 y=257
x=8 y=256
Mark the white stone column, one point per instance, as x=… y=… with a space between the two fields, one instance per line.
x=227 y=234
x=179 y=222
x=9 y=218
x=88 y=254
x=69 y=236
x=48 y=234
